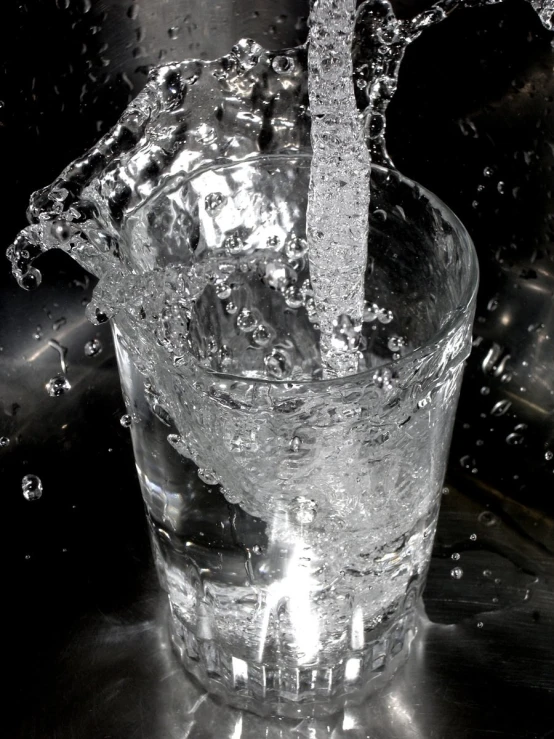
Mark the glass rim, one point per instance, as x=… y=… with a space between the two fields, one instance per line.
x=471 y=276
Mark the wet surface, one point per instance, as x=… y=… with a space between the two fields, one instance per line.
x=483 y=664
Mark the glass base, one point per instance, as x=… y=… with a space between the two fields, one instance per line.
x=292 y=692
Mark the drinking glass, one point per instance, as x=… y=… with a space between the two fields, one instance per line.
x=291 y=516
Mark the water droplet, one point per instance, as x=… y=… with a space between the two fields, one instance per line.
x=515 y=439
x=500 y=408
x=548 y=455
x=487 y=518
x=32 y=487
x=261 y=335
x=126 y=421
x=295 y=444
x=93 y=348
x=246 y=321
x=282 y=64
x=30 y=280
x=57 y=386
x=213 y=201
x=207 y=476
x=468 y=463
x=276 y=364
x=457 y=573
x=456 y=556
x=4 y=441
x=303 y=510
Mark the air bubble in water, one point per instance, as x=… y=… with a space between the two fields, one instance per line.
x=233 y=243
x=293 y=297
x=346 y=334
x=214 y=200
x=4 y=441
x=395 y=343
x=488 y=171
x=473 y=537
x=383 y=379
x=207 y=476
x=282 y=64
x=295 y=247
x=32 y=487
x=126 y=421
x=93 y=348
x=57 y=386
x=456 y=556
x=231 y=307
x=480 y=624
x=385 y=316
x=303 y=510
x=548 y=455
x=246 y=321
x=261 y=335
x=257 y=549
x=276 y=364
x=515 y=439
x=457 y=573
x=295 y=444
x=278 y=275
x=222 y=290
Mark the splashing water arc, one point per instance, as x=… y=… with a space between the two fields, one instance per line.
x=194 y=114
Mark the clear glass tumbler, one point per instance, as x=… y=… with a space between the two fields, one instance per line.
x=292 y=519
